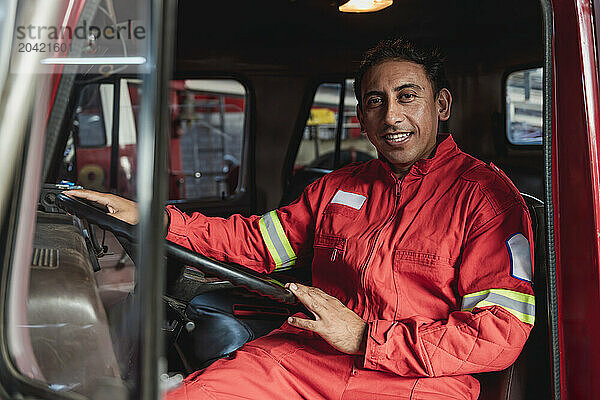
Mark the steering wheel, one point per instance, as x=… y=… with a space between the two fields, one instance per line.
x=236 y=274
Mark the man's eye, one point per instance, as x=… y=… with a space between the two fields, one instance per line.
x=374 y=101
x=407 y=96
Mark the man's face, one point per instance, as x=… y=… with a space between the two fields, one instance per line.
x=399 y=112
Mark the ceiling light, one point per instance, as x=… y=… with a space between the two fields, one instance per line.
x=362 y=6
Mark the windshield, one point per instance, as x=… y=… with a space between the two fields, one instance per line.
x=73 y=302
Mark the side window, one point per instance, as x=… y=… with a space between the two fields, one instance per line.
x=332 y=117
x=317 y=148
x=90 y=118
x=100 y=163
x=207 y=137
x=524 y=102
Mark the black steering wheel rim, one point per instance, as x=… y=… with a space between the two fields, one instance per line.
x=95 y=215
x=236 y=274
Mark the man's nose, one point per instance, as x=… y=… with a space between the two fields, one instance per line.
x=394 y=113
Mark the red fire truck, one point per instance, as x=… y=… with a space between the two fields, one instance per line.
x=235 y=107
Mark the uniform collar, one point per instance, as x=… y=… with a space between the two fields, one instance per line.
x=445 y=149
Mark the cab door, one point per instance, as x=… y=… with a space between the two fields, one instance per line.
x=575 y=196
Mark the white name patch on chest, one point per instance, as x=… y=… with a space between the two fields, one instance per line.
x=353 y=200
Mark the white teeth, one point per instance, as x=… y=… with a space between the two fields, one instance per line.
x=397 y=137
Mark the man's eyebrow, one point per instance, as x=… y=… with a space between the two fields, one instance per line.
x=372 y=92
x=396 y=89
x=408 y=86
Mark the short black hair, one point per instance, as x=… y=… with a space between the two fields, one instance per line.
x=403 y=50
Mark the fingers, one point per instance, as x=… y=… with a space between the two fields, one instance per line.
x=119 y=207
x=302 y=294
x=83 y=193
x=314 y=299
x=100 y=198
x=308 y=293
x=302 y=323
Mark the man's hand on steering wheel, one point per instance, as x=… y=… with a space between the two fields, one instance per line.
x=118 y=207
x=337 y=324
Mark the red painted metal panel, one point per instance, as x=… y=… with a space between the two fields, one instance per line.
x=577 y=208
x=72 y=11
x=590 y=82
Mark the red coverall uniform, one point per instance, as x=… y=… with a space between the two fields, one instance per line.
x=437 y=263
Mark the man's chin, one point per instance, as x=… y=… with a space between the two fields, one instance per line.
x=405 y=159
x=398 y=165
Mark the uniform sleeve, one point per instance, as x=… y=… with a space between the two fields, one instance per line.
x=496 y=315
x=276 y=240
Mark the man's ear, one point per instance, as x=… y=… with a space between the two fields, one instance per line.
x=360 y=118
x=443 y=104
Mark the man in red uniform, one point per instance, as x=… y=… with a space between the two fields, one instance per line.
x=421 y=260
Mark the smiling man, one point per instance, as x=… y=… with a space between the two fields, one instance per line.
x=399 y=108
x=421 y=259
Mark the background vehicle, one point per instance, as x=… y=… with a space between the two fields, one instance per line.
x=207 y=105
x=524 y=79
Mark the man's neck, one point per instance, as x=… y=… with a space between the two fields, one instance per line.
x=400 y=174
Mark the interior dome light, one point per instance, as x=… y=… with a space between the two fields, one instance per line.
x=363 y=6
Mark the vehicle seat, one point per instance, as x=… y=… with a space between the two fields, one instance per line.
x=530 y=376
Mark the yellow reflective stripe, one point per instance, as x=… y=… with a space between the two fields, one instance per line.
x=522 y=297
x=528 y=319
x=521 y=305
x=284 y=240
x=275 y=281
x=269 y=242
x=277 y=242
x=285 y=267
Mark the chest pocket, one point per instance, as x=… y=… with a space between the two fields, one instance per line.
x=339 y=221
x=330 y=269
x=414 y=258
x=418 y=270
x=426 y=284
x=340 y=209
x=329 y=247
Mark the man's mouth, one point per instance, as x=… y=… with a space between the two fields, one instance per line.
x=397 y=137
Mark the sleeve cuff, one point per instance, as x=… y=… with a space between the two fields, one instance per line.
x=376 y=343
x=177 y=225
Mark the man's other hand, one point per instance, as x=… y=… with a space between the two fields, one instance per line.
x=337 y=324
x=118 y=207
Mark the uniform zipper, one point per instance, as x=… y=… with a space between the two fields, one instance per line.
x=333 y=255
x=363 y=268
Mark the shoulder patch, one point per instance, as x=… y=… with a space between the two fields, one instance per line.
x=520 y=257
x=353 y=200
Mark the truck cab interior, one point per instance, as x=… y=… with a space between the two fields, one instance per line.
x=260 y=105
